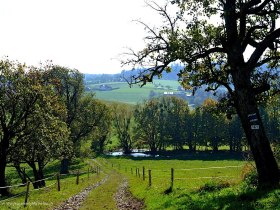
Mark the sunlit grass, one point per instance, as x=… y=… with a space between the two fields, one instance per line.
x=191 y=178
x=49 y=197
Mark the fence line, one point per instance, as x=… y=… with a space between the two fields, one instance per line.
x=19 y=185
x=42 y=188
x=12 y=186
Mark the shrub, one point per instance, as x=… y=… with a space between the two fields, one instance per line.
x=213 y=185
x=249 y=175
x=276 y=151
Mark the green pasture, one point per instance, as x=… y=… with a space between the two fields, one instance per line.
x=134 y=94
x=191 y=174
x=198 y=183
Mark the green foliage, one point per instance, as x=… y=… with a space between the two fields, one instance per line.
x=122 y=120
x=213 y=55
x=100 y=136
x=213 y=185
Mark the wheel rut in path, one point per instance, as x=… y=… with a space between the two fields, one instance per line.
x=125 y=200
x=74 y=202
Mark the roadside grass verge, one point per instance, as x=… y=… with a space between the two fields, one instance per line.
x=49 y=197
x=198 y=184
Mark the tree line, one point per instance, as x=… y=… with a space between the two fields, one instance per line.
x=168 y=123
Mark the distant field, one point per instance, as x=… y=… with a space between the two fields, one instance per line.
x=135 y=94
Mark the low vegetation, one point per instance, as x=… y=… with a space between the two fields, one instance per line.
x=221 y=188
x=49 y=196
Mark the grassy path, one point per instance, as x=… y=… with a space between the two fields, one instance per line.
x=75 y=201
x=109 y=193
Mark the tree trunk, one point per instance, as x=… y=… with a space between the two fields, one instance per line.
x=268 y=172
x=4 y=145
x=21 y=172
x=35 y=174
x=41 y=172
x=64 y=166
x=3 y=163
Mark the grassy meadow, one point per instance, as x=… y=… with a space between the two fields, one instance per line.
x=133 y=95
x=202 y=181
x=198 y=183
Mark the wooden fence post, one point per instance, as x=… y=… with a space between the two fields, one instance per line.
x=26 y=194
x=77 y=180
x=58 y=182
x=143 y=173
x=150 y=178
x=172 y=177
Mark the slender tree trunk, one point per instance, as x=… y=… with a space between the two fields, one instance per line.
x=4 y=145
x=41 y=172
x=64 y=166
x=36 y=184
x=268 y=172
x=3 y=163
x=21 y=172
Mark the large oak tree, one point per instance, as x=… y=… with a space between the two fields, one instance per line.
x=229 y=43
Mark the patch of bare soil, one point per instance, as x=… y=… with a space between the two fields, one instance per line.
x=125 y=200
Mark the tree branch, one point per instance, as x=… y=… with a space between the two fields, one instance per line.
x=262 y=46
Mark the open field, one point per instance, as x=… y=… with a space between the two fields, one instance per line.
x=198 y=184
x=123 y=93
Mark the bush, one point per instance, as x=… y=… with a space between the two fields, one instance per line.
x=249 y=175
x=214 y=185
x=276 y=151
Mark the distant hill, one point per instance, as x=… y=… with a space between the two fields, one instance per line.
x=113 y=87
x=119 y=77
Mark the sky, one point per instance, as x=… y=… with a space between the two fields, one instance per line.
x=88 y=35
